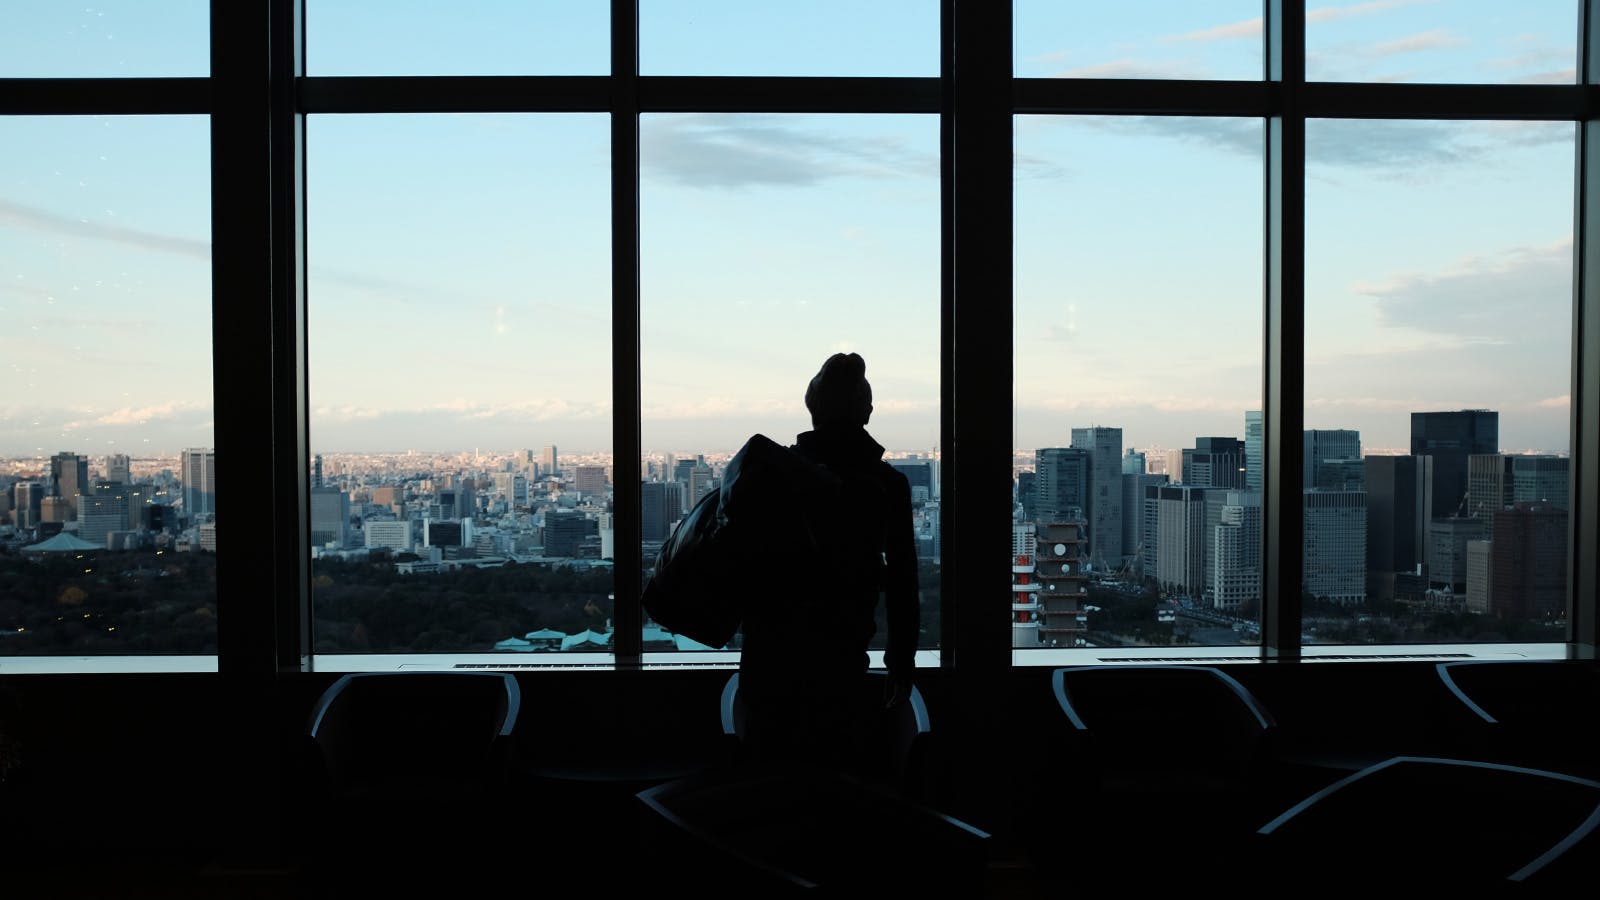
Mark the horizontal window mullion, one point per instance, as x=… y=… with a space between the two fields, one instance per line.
x=104 y=96
x=1106 y=96
x=1446 y=101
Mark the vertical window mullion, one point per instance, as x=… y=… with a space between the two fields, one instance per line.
x=1283 y=418
x=290 y=425
x=628 y=624
x=1583 y=574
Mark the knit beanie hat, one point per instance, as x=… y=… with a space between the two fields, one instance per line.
x=839 y=393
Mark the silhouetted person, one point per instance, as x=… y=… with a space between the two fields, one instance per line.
x=807 y=627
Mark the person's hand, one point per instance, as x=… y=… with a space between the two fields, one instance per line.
x=896 y=690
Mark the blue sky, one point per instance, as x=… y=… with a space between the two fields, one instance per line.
x=460 y=265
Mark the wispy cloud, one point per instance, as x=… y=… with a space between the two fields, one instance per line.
x=1504 y=297
x=18 y=215
x=1251 y=28
x=722 y=151
x=1416 y=43
x=1133 y=68
x=1561 y=402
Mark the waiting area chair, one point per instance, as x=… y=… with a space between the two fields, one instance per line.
x=898 y=744
x=407 y=775
x=1536 y=713
x=1150 y=762
x=790 y=828
x=1440 y=826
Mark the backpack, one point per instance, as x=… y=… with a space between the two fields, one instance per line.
x=771 y=499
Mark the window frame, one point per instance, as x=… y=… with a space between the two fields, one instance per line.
x=257 y=96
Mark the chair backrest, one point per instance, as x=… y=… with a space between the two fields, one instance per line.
x=409 y=728
x=1163 y=717
x=898 y=739
x=1439 y=822
x=1533 y=712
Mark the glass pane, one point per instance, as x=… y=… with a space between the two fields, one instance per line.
x=107 y=472
x=1438 y=344
x=1221 y=39
x=460 y=382
x=819 y=37
x=1453 y=41
x=107 y=39
x=463 y=37
x=768 y=244
x=1138 y=255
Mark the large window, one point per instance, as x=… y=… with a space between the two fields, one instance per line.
x=1269 y=306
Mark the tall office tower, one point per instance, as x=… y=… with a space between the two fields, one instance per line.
x=1025 y=494
x=1104 y=507
x=657 y=511
x=1133 y=491
x=1330 y=456
x=549 y=464
x=1399 y=509
x=1235 y=557
x=565 y=530
x=330 y=517
x=316 y=471
x=1254 y=441
x=69 y=475
x=446 y=504
x=198 y=468
x=1451 y=437
x=677 y=502
x=446 y=534
x=1061 y=547
x=919 y=474
x=1541 y=478
x=701 y=482
x=1025 y=609
x=1060 y=484
x=1528 y=562
x=1478 y=558
x=1133 y=462
x=27 y=499
x=607 y=525
x=591 y=480
x=395 y=534
x=1150 y=527
x=1214 y=462
x=118 y=468
x=1335 y=545
x=682 y=467
x=467 y=499
x=1181 y=538
x=56 y=509
x=104 y=509
x=1447 y=550
x=1489 y=483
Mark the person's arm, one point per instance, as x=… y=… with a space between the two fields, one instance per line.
x=901 y=600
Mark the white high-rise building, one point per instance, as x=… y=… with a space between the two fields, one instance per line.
x=198 y=468
x=394 y=534
x=1235 y=559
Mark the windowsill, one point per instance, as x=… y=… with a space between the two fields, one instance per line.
x=104 y=665
x=1246 y=654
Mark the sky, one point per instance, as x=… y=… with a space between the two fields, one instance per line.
x=460 y=264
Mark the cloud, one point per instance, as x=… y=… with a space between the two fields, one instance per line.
x=21 y=216
x=1235 y=135
x=1133 y=68
x=144 y=414
x=1251 y=28
x=722 y=151
x=1416 y=43
x=1385 y=144
x=1562 y=402
x=1500 y=298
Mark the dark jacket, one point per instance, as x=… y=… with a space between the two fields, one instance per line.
x=821 y=613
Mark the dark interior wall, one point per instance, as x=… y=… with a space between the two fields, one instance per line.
x=162 y=764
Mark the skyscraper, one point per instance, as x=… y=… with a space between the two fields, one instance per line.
x=1180 y=538
x=656 y=512
x=1104 y=506
x=1332 y=459
x=1253 y=443
x=591 y=480
x=1133 y=493
x=118 y=468
x=1214 y=462
x=198 y=469
x=1235 y=553
x=1133 y=462
x=330 y=517
x=549 y=462
x=1060 y=484
x=1399 y=508
x=1335 y=545
x=69 y=477
x=1451 y=437
x=1528 y=561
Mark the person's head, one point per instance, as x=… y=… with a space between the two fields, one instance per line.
x=839 y=394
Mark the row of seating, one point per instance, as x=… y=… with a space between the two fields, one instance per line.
x=1164 y=773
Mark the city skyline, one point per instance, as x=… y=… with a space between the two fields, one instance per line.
x=1141 y=309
